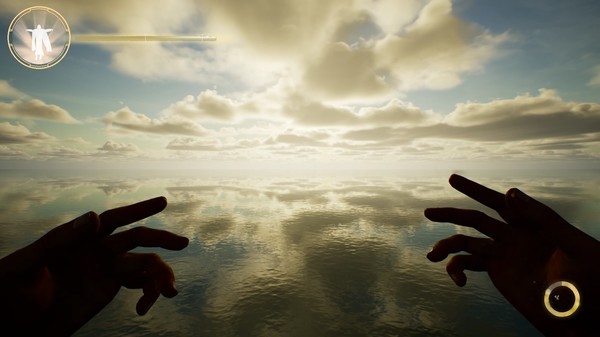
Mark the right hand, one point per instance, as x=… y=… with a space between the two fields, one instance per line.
x=524 y=254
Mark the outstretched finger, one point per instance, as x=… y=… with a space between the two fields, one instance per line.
x=121 y=216
x=461 y=243
x=486 y=196
x=144 y=237
x=470 y=218
x=459 y=263
x=565 y=236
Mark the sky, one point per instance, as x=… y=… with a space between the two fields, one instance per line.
x=291 y=84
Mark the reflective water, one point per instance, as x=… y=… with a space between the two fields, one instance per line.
x=277 y=254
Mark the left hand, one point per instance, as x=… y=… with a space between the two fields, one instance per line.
x=59 y=282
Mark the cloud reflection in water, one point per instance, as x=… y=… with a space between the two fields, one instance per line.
x=292 y=256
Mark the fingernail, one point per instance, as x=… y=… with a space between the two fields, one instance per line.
x=81 y=221
x=517 y=194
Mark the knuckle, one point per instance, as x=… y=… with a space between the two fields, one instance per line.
x=456 y=262
x=457 y=237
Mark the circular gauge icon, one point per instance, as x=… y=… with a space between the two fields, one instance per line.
x=562 y=299
x=39 y=37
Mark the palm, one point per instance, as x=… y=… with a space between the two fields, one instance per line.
x=84 y=281
x=520 y=269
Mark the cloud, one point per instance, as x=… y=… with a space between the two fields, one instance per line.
x=436 y=49
x=16 y=134
x=210 y=144
x=283 y=29
x=35 y=109
x=541 y=117
x=433 y=52
x=194 y=144
x=547 y=102
x=311 y=139
x=390 y=15
x=334 y=50
x=309 y=112
x=170 y=125
x=118 y=148
x=7 y=90
x=176 y=63
x=208 y=104
x=595 y=81
x=7 y=152
x=395 y=112
x=342 y=72
x=63 y=152
x=395 y=129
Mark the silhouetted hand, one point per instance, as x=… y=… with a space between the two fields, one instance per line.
x=525 y=254
x=59 y=282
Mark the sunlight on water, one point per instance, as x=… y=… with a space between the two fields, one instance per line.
x=289 y=255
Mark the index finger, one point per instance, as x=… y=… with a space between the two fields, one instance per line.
x=486 y=196
x=121 y=216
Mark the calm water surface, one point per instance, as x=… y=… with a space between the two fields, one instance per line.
x=295 y=254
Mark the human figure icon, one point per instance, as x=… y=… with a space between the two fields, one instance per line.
x=39 y=39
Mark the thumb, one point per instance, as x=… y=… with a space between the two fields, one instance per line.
x=557 y=230
x=37 y=254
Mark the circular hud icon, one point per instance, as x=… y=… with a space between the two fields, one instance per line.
x=39 y=37
x=562 y=299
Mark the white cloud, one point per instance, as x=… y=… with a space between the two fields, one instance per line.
x=343 y=72
x=35 y=109
x=120 y=148
x=541 y=118
x=436 y=50
x=310 y=78
x=433 y=52
x=391 y=15
x=208 y=104
x=62 y=153
x=17 y=133
x=194 y=144
x=212 y=144
x=314 y=113
x=334 y=50
x=282 y=29
x=595 y=81
x=126 y=119
x=313 y=139
x=547 y=102
x=7 y=90
x=7 y=152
